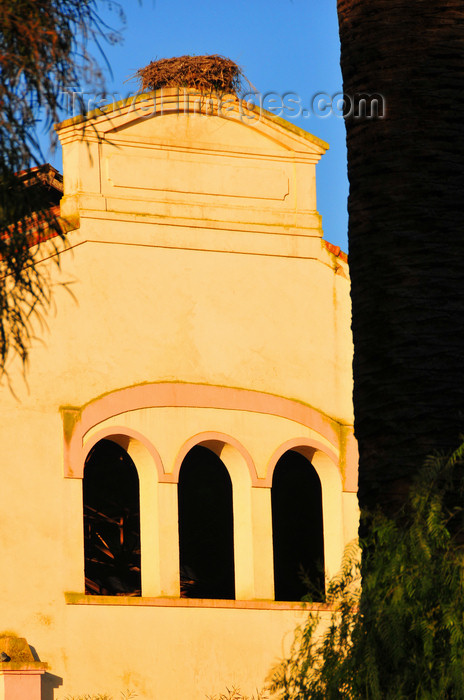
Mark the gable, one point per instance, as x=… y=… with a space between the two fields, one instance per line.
x=181 y=155
x=194 y=130
x=193 y=154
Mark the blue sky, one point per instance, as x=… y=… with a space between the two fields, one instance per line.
x=282 y=46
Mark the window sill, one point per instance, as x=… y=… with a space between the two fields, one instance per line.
x=163 y=602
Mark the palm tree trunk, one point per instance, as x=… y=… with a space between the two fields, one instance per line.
x=406 y=235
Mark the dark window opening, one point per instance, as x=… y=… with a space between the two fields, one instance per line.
x=111 y=522
x=298 y=539
x=206 y=536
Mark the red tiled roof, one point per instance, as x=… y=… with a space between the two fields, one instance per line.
x=336 y=250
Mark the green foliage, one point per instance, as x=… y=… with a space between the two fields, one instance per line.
x=235 y=694
x=403 y=637
x=89 y=697
x=128 y=695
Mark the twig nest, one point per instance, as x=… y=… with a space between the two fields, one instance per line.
x=205 y=73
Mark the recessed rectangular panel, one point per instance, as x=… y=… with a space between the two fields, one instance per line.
x=197 y=176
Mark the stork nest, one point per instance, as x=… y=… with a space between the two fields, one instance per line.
x=204 y=73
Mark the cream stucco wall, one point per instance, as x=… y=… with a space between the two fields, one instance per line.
x=202 y=308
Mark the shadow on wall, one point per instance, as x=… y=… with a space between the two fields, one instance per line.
x=49 y=684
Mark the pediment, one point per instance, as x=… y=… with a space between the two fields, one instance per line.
x=178 y=155
x=198 y=132
x=183 y=119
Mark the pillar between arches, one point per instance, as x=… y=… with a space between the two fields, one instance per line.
x=168 y=540
x=263 y=572
x=158 y=527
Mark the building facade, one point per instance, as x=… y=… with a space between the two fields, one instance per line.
x=179 y=463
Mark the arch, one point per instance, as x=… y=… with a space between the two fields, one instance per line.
x=237 y=459
x=309 y=448
x=78 y=421
x=206 y=537
x=325 y=463
x=149 y=467
x=141 y=450
x=297 y=526
x=111 y=521
x=242 y=473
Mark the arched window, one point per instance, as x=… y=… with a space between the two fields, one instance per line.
x=206 y=538
x=111 y=522
x=298 y=540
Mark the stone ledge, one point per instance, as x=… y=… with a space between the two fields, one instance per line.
x=18 y=667
x=165 y=602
